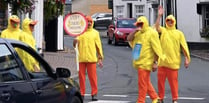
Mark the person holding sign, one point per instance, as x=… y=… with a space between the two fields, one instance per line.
x=175 y=43
x=146 y=47
x=90 y=52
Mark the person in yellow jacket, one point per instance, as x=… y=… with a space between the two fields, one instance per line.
x=90 y=52
x=27 y=37
x=172 y=42
x=146 y=47
x=13 y=30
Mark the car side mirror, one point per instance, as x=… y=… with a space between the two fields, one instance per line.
x=63 y=72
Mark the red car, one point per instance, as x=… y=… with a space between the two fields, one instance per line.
x=120 y=29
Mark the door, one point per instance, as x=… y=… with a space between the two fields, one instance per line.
x=14 y=87
x=48 y=89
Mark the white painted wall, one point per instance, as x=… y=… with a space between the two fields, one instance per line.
x=188 y=20
x=204 y=0
x=124 y=3
x=60 y=35
x=38 y=31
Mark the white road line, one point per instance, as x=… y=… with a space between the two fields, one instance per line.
x=109 y=101
x=186 y=98
x=191 y=98
x=115 y=96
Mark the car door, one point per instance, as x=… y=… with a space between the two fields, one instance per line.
x=46 y=86
x=14 y=85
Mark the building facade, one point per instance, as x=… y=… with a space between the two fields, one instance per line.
x=192 y=16
x=136 y=8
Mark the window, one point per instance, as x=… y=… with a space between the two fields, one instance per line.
x=126 y=23
x=205 y=30
x=139 y=9
x=33 y=63
x=108 y=15
x=119 y=11
x=9 y=68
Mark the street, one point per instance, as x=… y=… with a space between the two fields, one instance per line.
x=117 y=80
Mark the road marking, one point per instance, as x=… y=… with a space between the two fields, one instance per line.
x=115 y=96
x=109 y=101
x=191 y=98
x=186 y=98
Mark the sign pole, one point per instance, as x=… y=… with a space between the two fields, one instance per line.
x=75 y=24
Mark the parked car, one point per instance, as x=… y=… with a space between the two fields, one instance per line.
x=119 y=30
x=19 y=85
x=102 y=19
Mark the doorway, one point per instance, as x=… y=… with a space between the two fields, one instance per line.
x=129 y=10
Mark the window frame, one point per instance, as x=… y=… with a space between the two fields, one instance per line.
x=49 y=70
x=24 y=78
x=139 y=11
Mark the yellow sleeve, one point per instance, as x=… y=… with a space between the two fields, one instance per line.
x=99 y=46
x=184 y=45
x=155 y=42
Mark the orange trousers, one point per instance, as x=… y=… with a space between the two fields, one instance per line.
x=172 y=76
x=145 y=86
x=91 y=71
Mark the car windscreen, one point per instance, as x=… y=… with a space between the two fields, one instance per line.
x=126 y=23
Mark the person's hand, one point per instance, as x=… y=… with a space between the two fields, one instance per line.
x=160 y=10
x=186 y=62
x=138 y=29
x=100 y=63
x=36 y=68
x=154 y=67
x=75 y=41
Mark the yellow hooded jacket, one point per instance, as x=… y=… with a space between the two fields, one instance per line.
x=10 y=32
x=28 y=34
x=149 y=40
x=27 y=37
x=172 y=40
x=90 y=47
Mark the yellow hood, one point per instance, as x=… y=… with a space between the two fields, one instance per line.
x=11 y=32
x=26 y=25
x=143 y=19
x=174 y=20
x=16 y=19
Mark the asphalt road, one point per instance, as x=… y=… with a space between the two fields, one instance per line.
x=117 y=80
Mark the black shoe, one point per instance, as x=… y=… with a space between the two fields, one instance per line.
x=82 y=97
x=160 y=101
x=94 y=98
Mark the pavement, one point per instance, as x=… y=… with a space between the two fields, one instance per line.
x=65 y=59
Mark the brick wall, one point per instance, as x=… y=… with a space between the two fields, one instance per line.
x=99 y=8
x=89 y=8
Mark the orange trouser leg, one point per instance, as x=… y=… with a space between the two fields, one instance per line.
x=161 y=74
x=173 y=82
x=92 y=74
x=151 y=91
x=145 y=86
x=82 y=77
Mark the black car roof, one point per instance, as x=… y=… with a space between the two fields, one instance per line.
x=11 y=41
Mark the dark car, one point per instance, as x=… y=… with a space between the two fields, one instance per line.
x=120 y=29
x=102 y=19
x=19 y=85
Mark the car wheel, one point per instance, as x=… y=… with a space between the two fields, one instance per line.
x=114 y=40
x=75 y=100
x=109 y=41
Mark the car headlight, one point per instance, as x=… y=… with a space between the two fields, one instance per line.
x=119 y=33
